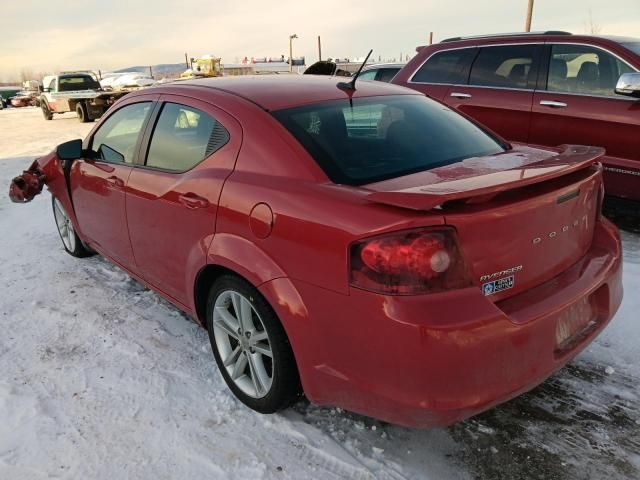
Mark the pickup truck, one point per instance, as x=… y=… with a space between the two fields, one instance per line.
x=78 y=91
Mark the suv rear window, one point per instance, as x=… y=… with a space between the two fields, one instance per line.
x=378 y=138
x=505 y=66
x=446 y=67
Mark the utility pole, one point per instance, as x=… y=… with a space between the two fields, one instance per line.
x=430 y=38
x=527 y=26
x=319 y=49
x=186 y=60
x=291 y=37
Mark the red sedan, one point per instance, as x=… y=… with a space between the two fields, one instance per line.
x=369 y=247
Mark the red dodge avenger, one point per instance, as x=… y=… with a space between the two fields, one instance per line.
x=361 y=244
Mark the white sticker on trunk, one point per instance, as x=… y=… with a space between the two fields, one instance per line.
x=499 y=285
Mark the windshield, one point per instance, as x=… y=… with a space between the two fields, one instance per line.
x=633 y=46
x=378 y=138
x=77 y=82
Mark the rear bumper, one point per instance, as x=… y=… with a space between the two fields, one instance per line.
x=424 y=361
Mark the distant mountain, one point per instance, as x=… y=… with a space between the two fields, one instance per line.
x=158 y=70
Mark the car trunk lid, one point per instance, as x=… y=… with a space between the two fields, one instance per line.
x=522 y=217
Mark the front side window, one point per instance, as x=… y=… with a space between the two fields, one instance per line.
x=117 y=137
x=505 y=66
x=183 y=137
x=377 y=138
x=451 y=67
x=584 y=70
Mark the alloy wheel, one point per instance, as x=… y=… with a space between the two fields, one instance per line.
x=243 y=344
x=65 y=226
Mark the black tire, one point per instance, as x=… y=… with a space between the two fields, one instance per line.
x=72 y=244
x=285 y=386
x=46 y=113
x=81 y=110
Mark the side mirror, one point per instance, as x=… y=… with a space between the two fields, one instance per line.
x=40 y=88
x=629 y=84
x=71 y=150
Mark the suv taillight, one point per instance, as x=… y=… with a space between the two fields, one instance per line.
x=409 y=262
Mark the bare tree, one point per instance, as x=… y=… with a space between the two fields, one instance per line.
x=26 y=74
x=592 y=27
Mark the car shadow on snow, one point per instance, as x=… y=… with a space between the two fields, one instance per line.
x=581 y=423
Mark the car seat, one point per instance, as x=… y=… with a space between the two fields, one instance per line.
x=588 y=78
x=558 y=75
x=518 y=75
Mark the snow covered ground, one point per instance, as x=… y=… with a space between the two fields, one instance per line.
x=102 y=379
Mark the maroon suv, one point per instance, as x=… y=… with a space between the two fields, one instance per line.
x=544 y=89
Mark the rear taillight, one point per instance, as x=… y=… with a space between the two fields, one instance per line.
x=409 y=262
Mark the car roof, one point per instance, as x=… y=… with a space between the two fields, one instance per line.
x=524 y=37
x=275 y=92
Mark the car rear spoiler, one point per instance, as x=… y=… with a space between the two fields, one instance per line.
x=571 y=158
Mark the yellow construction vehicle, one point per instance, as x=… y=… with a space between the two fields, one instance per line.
x=205 y=66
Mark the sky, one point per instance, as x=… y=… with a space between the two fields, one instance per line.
x=46 y=36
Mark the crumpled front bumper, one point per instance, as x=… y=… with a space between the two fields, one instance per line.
x=26 y=186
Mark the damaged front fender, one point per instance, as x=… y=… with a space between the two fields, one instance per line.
x=26 y=186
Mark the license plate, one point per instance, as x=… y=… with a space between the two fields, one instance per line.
x=499 y=285
x=574 y=322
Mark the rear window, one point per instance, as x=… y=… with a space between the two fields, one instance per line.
x=77 y=82
x=378 y=138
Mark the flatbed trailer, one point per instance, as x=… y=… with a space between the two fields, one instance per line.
x=80 y=92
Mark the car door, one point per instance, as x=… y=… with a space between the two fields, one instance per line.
x=441 y=70
x=98 y=181
x=577 y=104
x=189 y=150
x=499 y=93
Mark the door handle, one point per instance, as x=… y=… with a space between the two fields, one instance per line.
x=115 y=181
x=553 y=104
x=460 y=95
x=191 y=200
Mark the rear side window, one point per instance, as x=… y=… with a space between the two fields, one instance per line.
x=377 y=138
x=506 y=66
x=446 y=67
x=117 y=137
x=183 y=137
